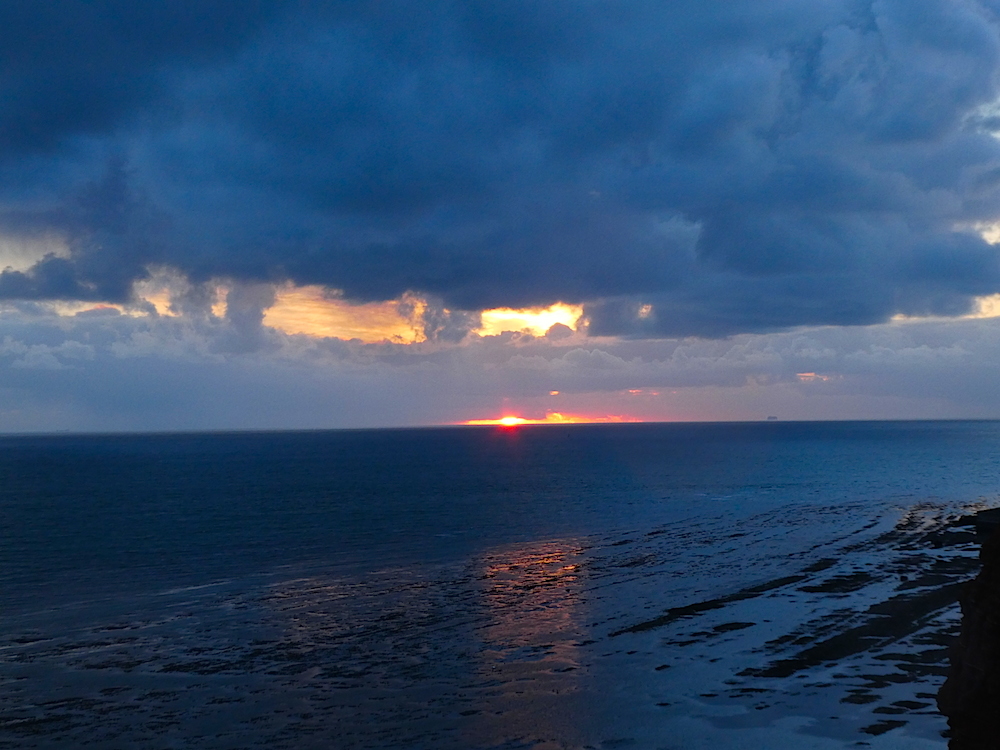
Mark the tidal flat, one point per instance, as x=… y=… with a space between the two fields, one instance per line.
x=557 y=644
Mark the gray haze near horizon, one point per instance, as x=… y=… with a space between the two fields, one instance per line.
x=104 y=371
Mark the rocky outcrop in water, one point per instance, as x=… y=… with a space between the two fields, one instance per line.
x=970 y=697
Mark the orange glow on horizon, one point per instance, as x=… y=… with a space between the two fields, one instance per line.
x=552 y=418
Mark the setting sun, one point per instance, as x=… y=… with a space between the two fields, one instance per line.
x=552 y=417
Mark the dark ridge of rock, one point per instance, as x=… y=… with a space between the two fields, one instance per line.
x=986 y=522
x=970 y=697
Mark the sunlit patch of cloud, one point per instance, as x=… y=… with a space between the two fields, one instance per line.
x=813 y=377
x=315 y=311
x=986 y=306
x=989 y=231
x=19 y=253
x=321 y=312
x=535 y=320
x=159 y=289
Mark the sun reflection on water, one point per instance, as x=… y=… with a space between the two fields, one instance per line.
x=531 y=638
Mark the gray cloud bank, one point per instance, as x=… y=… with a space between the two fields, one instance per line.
x=739 y=166
x=101 y=370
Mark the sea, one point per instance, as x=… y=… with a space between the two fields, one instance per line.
x=662 y=586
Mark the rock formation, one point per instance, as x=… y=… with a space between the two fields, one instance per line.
x=970 y=697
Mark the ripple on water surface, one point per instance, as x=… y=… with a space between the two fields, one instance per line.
x=680 y=634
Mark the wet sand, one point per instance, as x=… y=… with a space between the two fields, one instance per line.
x=672 y=637
x=870 y=653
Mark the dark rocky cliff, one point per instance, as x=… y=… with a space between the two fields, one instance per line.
x=970 y=697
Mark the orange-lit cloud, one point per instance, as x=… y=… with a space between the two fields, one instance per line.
x=311 y=310
x=71 y=308
x=318 y=311
x=552 y=418
x=811 y=377
x=986 y=307
x=536 y=320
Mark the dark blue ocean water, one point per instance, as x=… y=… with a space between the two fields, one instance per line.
x=480 y=587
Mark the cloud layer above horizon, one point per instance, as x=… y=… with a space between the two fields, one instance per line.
x=104 y=370
x=705 y=170
x=738 y=166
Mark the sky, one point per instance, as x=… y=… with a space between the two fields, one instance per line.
x=243 y=214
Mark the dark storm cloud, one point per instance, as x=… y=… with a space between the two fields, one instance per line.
x=681 y=168
x=74 y=67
